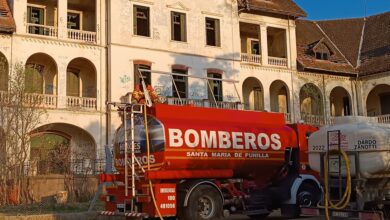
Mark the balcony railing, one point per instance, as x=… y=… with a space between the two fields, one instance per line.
x=41 y=100
x=317 y=120
x=205 y=103
x=384 y=119
x=86 y=36
x=39 y=29
x=251 y=58
x=277 y=61
x=81 y=102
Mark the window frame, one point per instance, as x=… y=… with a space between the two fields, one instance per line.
x=183 y=27
x=136 y=75
x=217 y=97
x=135 y=21
x=80 y=13
x=185 y=81
x=217 y=31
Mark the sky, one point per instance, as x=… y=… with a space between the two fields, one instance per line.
x=334 y=9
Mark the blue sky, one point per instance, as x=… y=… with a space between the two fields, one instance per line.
x=333 y=9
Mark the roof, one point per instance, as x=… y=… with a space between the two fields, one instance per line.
x=309 y=35
x=361 y=45
x=346 y=34
x=375 y=52
x=7 y=23
x=282 y=7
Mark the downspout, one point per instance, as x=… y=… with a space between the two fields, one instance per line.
x=358 y=63
x=108 y=71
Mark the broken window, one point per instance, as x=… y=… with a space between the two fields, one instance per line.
x=178 y=26
x=213 y=32
x=141 y=21
x=215 y=86
x=181 y=83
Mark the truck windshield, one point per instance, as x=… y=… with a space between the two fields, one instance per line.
x=156 y=136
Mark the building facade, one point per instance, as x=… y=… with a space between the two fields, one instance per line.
x=88 y=52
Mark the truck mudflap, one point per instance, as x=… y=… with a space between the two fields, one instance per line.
x=135 y=215
x=343 y=214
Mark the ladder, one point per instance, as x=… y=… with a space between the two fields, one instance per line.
x=334 y=143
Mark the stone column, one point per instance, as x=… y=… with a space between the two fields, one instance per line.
x=291 y=45
x=62 y=19
x=263 y=44
x=62 y=67
x=19 y=12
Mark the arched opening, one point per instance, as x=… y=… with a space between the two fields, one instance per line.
x=340 y=102
x=41 y=74
x=60 y=148
x=279 y=97
x=378 y=100
x=81 y=83
x=253 y=94
x=4 y=70
x=311 y=100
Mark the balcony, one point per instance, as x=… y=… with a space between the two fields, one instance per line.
x=85 y=36
x=277 y=61
x=251 y=58
x=81 y=21
x=45 y=30
x=81 y=103
x=205 y=103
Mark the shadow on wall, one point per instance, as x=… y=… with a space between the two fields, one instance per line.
x=199 y=66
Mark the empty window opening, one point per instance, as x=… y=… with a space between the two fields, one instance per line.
x=178 y=24
x=141 y=21
x=212 y=32
x=181 y=83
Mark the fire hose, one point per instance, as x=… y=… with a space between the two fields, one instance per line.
x=343 y=203
x=148 y=163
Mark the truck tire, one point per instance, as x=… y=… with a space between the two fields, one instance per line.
x=204 y=203
x=308 y=195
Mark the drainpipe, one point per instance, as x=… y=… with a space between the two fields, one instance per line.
x=108 y=71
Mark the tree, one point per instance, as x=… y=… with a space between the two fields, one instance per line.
x=20 y=113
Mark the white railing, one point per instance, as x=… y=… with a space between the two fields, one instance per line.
x=81 y=102
x=384 y=119
x=41 y=100
x=251 y=58
x=39 y=29
x=86 y=36
x=205 y=103
x=313 y=119
x=277 y=61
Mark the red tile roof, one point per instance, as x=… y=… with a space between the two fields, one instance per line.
x=360 y=46
x=346 y=34
x=309 y=35
x=375 y=52
x=7 y=23
x=282 y=7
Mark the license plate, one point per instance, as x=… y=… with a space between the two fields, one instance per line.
x=340 y=214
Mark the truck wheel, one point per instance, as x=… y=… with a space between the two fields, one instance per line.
x=308 y=195
x=205 y=202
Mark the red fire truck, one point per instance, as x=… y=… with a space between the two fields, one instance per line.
x=207 y=163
